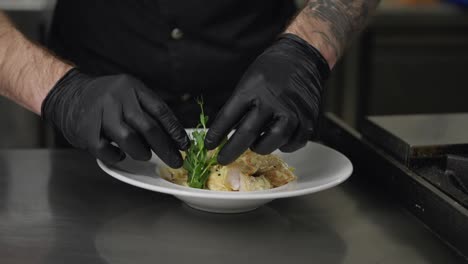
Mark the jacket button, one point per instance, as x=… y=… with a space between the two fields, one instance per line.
x=177 y=34
x=185 y=97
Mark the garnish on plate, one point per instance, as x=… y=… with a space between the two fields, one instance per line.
x=249 y=172
x=198 y=160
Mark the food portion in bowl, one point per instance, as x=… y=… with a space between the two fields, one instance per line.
x=250 y=172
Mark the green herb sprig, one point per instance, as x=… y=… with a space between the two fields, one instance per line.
x=198 y=161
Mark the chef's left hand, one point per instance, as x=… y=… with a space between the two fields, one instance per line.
x=276 y=104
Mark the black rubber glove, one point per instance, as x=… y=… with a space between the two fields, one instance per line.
x=276 y=104
x=92 y=112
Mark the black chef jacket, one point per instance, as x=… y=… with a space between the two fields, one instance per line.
x=180 y=49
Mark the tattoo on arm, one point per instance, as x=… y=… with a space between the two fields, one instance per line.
x=344 y=18
x=332 y=24
x=326 y=40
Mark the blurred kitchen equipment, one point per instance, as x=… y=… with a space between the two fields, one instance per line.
x=419 y=160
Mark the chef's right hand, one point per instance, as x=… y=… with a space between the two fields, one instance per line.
x=92 y=112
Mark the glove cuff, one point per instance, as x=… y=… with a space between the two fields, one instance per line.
x=311 y=52
x=48 y=100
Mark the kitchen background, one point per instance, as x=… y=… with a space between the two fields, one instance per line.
x=413 y=58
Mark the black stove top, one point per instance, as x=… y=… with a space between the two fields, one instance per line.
x=421 y=161
x=433 y=146
x=449 y=174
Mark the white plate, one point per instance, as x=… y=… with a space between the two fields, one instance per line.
x=317 y=168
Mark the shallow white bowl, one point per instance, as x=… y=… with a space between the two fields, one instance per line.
x=317 y=168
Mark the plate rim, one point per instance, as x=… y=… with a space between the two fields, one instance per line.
x=340 y=177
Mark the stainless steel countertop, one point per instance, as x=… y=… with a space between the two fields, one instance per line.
x=58 y=207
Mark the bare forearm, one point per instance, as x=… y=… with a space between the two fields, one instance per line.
x=329 y=25
x=27 y=71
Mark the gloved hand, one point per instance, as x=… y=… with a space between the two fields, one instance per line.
x=276 y=104
x=92 y=112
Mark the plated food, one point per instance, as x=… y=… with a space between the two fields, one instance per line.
x=316 y=166
x=250 y=172
x=238 y=185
